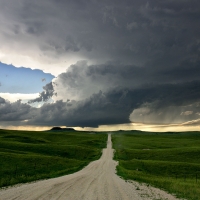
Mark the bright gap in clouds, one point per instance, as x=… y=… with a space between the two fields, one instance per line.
x=16 y=96
x=119 y=127
x=183 y=127
x=45 y=61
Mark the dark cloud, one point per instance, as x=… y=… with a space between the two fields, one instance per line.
x=145 y=57
x=45 y=95
x=168 y=103
x=129 y=31
x=2 y=101
x=116 y=105
x=16 y=111
x=92 y=112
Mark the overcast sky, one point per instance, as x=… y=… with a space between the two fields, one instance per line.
x=100 y=63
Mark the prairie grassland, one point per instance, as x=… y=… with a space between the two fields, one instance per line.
x=170 y=161
x=27 y=156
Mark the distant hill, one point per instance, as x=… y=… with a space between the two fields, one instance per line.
x=62 y=129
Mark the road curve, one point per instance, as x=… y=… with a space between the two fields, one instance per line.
x=97 y=181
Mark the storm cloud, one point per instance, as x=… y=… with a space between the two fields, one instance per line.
x=82 y=80
x=114 y=61
x=159 y=104
x=166 y=104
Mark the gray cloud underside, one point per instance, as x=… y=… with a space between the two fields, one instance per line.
x=111 y=107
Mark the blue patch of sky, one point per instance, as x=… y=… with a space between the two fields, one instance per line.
x=22 y=80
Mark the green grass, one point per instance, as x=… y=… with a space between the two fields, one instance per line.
x=27 y=156
x=170 y=161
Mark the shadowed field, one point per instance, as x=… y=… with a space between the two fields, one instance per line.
x=166 y=160
x=27 y=156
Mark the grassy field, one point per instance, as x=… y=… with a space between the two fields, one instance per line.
x=27 y=156
x=170 y=161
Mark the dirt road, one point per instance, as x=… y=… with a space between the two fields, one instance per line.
x=97 y=181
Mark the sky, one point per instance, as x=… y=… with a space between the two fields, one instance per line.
x=100 y=65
